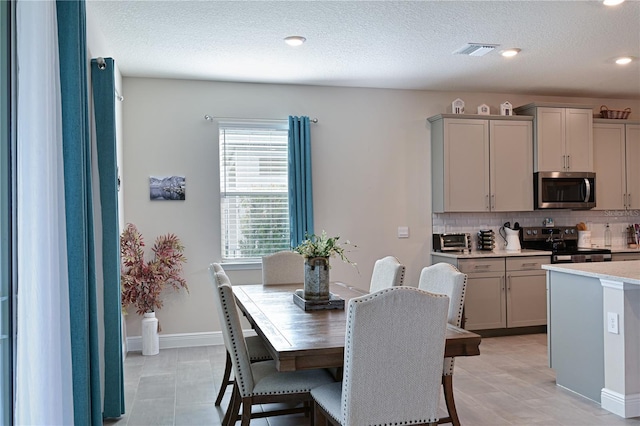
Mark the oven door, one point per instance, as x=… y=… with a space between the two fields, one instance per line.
x=564 y=190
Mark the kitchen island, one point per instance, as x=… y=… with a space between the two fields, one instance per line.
x=594 y=331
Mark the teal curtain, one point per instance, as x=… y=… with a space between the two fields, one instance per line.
x=79 y=213
x=104 y=101
x=300 y=187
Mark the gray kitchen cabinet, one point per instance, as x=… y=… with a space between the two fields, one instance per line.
x=616 y=149
x=619 y=257
x=480 y=164
x=526 y=291
x=563 y=137
x=502 y=292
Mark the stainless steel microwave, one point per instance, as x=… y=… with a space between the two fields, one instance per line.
x=564 y=190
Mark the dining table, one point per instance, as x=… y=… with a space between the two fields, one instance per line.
x=301 y=339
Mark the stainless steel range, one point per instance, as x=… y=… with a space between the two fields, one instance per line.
x=562 y=241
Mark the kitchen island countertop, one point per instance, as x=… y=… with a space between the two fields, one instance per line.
x=628 y=272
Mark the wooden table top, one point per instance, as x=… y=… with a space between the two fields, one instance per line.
x=299 y=339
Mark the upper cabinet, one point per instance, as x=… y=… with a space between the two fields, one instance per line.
x=563 y=137
x=481 y=163
x=616 y=150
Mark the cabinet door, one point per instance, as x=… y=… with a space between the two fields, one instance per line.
x=511 y=165
x=466 y=161
x=550 y=139
x=579 y=140
x=484 y=305
x=608 y=163
x=526 y=298
x=633 y=166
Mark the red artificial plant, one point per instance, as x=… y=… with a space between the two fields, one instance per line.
x=142 y=282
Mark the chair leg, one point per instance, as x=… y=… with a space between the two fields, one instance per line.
x=225 y=380
x=447 y=384
x=246 y=411
x=231 y=416
x=319 y=418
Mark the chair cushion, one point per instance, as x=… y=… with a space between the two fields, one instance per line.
x=329 y=398
x=269 y=381
x=257 y=349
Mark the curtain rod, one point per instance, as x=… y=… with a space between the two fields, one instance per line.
x=211 y=118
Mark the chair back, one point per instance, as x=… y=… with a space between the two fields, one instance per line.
x=443 y=278
x=387 y=272
x=394 y=347
x=232 y=330
x=283 y=267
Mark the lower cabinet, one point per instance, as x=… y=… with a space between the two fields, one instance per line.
x=503 y=292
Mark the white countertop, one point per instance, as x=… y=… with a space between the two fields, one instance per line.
x=486 y=253
x=628 y=272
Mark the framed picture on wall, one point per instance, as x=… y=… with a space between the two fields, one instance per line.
x=171 y=188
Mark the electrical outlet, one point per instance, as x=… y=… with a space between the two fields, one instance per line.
x=403 y=232
x=612 y=322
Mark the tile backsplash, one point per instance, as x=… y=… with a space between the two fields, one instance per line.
x=596 y=221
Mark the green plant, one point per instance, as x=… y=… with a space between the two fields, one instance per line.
x=323 y=246
x=143 y=282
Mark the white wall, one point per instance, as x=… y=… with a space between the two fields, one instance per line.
x=371 y=174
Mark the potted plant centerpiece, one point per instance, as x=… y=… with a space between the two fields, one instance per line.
x=316 y=251
x=143 y=281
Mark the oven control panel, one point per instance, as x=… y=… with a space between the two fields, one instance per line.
x=539 y=233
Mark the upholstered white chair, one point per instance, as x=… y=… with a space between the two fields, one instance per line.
x=258 y=382
x=393 y=355
x=443 y=278
x=283 y=267
x=255 y=346
x=387 y=272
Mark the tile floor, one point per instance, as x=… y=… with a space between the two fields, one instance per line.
x=508 y=384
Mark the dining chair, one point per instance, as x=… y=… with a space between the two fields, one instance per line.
x=443 y=278
x=393 y=353
x=283 y=267
x=259 y=382
x=255 y=346
x=387 y=272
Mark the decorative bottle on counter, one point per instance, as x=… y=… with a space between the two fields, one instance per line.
x=607 y=236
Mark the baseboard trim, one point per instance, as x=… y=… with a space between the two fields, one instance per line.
x=626 y=406
x=183 y=340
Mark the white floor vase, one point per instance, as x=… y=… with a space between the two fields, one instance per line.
x=150 y=339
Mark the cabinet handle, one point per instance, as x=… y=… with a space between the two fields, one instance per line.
x=487 y=206
x=629 y=203
x=493 y=201
x=568 y=162
x=529 y=264
x=503 y=283
x=624 y=200
x=481 y=266
x=509 y=282
x=564 y=162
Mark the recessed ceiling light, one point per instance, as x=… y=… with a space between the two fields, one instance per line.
x=612 y=2
x=624 y=60
x=510 y=52
x=295 y=40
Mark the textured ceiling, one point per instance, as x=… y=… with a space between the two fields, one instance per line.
x=568 y=47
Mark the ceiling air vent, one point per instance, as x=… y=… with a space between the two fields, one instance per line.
x=475 y=49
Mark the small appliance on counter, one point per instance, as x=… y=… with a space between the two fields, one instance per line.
x=457 y=241
x=486 y=239
x=511 y=236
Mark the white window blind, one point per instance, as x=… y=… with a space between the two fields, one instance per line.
x=254 y=190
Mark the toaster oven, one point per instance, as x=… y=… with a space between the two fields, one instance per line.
x=457 y=241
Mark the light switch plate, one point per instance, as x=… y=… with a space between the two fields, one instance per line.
x=403 y=232
x=612 y=323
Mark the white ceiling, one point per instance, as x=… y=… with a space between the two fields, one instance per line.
x=568 y=47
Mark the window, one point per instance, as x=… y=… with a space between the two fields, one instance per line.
x=254 y=190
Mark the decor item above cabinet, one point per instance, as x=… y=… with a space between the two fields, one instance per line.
x=562 y=136
x=616 y=149
x=481 y=163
